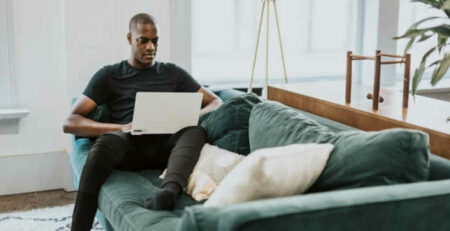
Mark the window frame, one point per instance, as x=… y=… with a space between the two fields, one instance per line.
x=7 y=57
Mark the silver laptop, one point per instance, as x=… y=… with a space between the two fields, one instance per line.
x=165 y=112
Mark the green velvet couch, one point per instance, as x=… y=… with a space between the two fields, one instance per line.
x=421 y=205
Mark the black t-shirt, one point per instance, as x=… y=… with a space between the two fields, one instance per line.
x=116 y=86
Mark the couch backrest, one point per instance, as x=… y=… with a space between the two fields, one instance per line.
x=439 y=167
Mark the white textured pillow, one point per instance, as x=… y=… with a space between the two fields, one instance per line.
x=213 y=165
x=272 y=172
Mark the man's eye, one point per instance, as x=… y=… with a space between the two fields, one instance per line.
x=155 y=41
x=143 y=40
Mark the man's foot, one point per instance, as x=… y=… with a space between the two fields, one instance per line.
x=165 y=199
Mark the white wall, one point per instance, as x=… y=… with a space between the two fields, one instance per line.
x=96 y=35
x=58 y=46
x=39 y=76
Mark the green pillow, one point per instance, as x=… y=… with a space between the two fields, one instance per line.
x=359 y=159
x=387 y=157
x=227 y=127
x=273 y=124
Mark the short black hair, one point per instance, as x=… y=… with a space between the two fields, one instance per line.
x=141 y=18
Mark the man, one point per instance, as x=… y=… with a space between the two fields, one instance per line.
x=114 y=148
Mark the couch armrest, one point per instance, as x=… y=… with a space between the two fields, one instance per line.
x=416 y=206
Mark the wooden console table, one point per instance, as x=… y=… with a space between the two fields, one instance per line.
x=327 y=99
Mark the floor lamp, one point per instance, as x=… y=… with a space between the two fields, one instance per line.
x=266 y=8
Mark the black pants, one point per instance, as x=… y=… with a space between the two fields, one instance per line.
x=117 y=150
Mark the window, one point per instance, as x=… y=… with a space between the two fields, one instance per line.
x=315 y=34
x=5 y=56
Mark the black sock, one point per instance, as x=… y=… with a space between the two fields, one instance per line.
x=165 y=198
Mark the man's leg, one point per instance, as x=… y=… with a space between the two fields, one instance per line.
x=108 y=151
x=184 y=149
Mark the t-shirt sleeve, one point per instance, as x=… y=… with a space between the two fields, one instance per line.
x=98 y=88
x=186 y=82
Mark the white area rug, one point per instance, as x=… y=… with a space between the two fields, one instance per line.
x=46 y=219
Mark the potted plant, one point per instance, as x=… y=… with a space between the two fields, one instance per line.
x=440 y=32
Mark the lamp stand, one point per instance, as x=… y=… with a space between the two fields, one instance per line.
x=266 y=3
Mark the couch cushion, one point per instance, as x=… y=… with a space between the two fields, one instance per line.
x=362 y=159
x=122 y=197
x=227 y=127
x=359 y=159
x=272 y=124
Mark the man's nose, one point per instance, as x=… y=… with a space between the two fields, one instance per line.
x=150 y=46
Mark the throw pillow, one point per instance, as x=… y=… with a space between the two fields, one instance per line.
x=387 y=157
x=227 y=127
x=272 y=172
x=213 y=165
x=360 y=158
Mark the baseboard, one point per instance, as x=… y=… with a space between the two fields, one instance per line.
x=35 y=172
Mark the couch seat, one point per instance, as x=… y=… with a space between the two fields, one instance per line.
x=123 y=194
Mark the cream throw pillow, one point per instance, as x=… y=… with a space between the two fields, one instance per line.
x=213 y=165
x=272 y=172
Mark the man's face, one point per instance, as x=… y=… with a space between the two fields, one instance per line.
x=144 y=44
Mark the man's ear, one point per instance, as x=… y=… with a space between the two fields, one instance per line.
x=129 y=37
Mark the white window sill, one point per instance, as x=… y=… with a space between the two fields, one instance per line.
x=13 y=113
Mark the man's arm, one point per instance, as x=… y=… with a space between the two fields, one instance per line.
x=210 y=101
x=79 y=125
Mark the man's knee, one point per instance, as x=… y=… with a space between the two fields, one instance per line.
x=198 y=130
x=193 y=136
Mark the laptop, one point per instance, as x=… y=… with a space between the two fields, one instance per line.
x=165 y=112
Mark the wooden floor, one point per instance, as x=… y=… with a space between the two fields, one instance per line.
x=28 y=201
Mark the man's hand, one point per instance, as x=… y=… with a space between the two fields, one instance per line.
x=126 y=127
x=211 y=107
x=79 y=125
x=210 y=101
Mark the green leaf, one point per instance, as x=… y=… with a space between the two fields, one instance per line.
x=412 y=30
x=415 y=25
x=417 y=77
x=442 y=40
x=424 y=37
x=408 y=46
x=440 y=71
x=412 y=33
x=445 y=6
x=433 y=3
x=442 y=30
x=428 y=53
x=434 y=63
x=419 y=71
